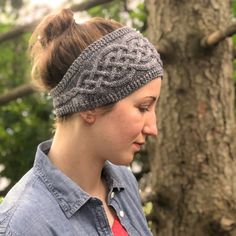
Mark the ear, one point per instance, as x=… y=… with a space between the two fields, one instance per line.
x=88 y=116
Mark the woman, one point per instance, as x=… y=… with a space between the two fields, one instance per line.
x=104 y=80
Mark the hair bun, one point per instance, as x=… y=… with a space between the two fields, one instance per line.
x=57 y=41
x=55 y=25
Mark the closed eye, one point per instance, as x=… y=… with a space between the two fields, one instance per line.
x=148 y=105
x=144 y=109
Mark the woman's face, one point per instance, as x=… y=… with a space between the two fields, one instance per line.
x=118 y=134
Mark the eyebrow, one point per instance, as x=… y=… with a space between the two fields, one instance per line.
x=152 y=97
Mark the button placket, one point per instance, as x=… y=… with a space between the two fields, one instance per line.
x=112 y=194
x=102 y=223
x=121 y=213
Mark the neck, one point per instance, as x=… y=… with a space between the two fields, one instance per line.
x=73 y=155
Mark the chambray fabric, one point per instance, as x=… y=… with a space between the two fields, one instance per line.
x=45 y=202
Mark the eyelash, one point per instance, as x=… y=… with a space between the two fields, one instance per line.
x=143 y=109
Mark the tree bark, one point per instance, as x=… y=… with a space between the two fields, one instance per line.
x=193 y=167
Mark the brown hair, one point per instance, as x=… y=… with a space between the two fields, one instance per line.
x=58 y=40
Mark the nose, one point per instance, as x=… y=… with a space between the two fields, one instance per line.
x=150 y=125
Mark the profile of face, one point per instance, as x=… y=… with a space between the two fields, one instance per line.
x=117 y=135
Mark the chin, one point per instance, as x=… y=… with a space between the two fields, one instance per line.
x=124 y=160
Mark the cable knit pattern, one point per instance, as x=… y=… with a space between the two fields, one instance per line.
x=106 y=71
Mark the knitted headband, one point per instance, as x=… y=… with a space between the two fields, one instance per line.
x=108 y=70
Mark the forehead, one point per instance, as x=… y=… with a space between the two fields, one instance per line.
x=152 y=88
x=149 y=90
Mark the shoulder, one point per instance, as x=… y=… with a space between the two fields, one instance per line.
x=24 y=207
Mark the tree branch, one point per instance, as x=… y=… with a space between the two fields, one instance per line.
x=18 y=92
x=86 y=5
x=18 y=30
x=218 y=36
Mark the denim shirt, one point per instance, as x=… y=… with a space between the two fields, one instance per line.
x=46 y=202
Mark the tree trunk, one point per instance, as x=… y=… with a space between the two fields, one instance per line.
x=193 y=167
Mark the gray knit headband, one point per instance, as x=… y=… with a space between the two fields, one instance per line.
x=108 y=70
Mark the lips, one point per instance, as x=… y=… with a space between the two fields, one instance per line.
x=138 y=145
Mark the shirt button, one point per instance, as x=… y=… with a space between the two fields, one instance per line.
x=112 y=194
x=122 y=214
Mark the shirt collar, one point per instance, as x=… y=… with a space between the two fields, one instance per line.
x=67 y=193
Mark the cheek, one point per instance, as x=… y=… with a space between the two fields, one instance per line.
x=130 y=126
